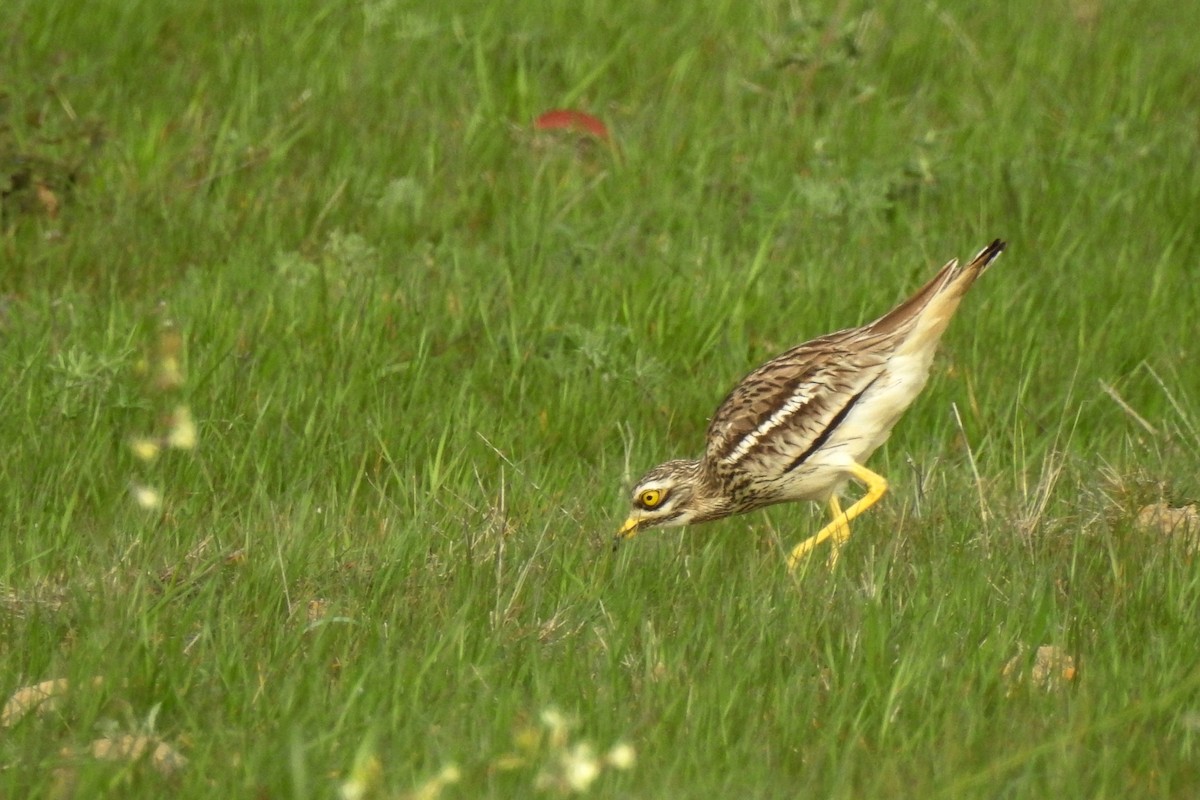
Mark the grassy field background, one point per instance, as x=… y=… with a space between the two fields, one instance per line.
x=426 y=349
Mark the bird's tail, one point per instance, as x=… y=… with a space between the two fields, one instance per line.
x=929 y=311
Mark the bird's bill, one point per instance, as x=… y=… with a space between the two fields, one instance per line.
x=629 y=529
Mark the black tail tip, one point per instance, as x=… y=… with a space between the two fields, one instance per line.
x=992 y=250
x=988 y=254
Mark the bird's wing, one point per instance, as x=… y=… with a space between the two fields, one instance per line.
x=791 y=404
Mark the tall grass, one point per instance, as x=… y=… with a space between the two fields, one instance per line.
x=426 y=347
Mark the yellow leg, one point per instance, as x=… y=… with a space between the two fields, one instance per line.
x=839 y=526
x=838 y=535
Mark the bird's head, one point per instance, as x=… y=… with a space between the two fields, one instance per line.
x=670 y=495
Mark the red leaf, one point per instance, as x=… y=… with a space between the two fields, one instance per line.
x=566 y=119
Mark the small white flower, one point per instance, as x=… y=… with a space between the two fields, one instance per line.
x=580 y=767
x=554 y=720
x=621 y=756
x=183 y=429
x=557 y=725
x=147 y=497
x=365 y=777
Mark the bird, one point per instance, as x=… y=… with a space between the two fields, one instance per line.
x=802 y=425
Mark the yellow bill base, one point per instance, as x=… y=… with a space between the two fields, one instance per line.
x=629 y=529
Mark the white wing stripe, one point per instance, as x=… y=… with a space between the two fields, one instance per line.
x=803 y=394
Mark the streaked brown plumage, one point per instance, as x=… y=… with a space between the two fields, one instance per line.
x=800 y=426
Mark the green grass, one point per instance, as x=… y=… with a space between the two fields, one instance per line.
x=427 y=351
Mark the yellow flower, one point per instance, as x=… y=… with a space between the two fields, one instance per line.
x=145 y=448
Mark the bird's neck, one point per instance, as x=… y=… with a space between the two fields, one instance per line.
x=711 y=494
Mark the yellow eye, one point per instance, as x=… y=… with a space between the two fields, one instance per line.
x=650 y=498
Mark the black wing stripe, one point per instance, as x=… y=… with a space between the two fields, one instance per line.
x=837 y=420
